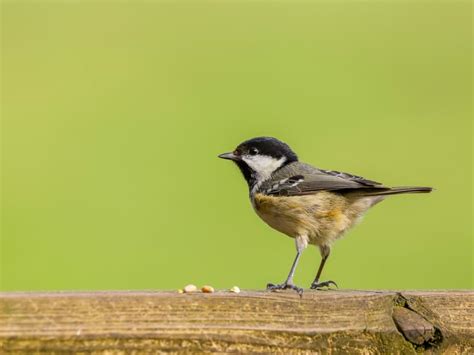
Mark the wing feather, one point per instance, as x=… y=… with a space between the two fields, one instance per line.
x=303 y=179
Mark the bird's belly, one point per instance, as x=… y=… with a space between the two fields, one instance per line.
x=323 y=216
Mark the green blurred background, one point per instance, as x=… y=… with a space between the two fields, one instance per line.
x=113 y=115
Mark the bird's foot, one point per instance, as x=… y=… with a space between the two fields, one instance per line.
x=285 y=285
x=317 y=285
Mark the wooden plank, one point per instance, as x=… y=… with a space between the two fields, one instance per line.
x=251 y=321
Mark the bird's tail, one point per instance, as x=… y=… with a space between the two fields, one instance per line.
x=401 y=190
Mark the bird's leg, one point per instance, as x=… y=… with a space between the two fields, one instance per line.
x=301 y=243
x=325 y=251
x=289 y=280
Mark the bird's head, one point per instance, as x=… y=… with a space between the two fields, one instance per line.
x=258 y=158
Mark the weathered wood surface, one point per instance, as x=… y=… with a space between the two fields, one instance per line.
x=255 y=321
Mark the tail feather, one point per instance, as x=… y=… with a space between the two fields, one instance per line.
x=401 y=190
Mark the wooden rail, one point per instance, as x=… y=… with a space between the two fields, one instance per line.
x=251 y=321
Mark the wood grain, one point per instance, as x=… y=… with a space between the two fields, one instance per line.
x=364 y=322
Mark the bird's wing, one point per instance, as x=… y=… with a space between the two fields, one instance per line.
x=303 y=179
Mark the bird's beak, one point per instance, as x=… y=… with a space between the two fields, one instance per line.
x=229 y=156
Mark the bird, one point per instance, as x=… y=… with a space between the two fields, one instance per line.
x=312 y=205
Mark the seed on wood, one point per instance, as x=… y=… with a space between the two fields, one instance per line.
x=235 y=289
x=207 y=289
x=190 y=288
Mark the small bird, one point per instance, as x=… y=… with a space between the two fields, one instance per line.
x=312 y=205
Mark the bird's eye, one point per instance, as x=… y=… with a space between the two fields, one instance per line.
x=253 y=151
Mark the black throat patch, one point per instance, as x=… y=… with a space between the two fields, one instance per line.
x=247 y=172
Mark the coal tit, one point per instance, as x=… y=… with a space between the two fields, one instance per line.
x=312 y=205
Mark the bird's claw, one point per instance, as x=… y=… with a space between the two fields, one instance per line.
x=284 y=286
x=317 y=285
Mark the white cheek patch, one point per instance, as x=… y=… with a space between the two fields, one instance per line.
x=263 y=165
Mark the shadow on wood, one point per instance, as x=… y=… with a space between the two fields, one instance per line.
x=253 y=321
